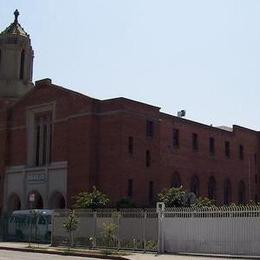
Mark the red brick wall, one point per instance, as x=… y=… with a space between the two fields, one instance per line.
x=93 y=136
x=188 y=163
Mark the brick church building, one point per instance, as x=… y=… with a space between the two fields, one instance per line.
x=56 y=142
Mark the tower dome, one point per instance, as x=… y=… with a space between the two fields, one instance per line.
x=16 y=61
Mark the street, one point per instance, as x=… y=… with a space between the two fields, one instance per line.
x=18 y=255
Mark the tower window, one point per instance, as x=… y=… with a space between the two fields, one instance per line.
x=22 y=65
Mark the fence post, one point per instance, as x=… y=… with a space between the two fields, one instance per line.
x=52 y=227
x=160 y=207
x=118 y=230
x=95 y=229
x=144 y=229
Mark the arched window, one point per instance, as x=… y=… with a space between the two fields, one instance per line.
x=176 y=180
x=241 y=192
x=195 y=185
x=227 y=192
x=14 y=203
x=22 y=64
x=57 y=201
x=212 y=188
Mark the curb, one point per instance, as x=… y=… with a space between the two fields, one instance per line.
x=218 y=256
x=54 y=252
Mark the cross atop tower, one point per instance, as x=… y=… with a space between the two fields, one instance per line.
x=16 y=59
x=16 y=14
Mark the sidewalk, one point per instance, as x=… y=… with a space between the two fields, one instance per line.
x=47 y=249
x=122 y=255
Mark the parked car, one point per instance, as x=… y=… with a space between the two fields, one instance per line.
x=30 y=225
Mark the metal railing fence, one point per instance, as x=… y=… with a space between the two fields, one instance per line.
x=213 y=212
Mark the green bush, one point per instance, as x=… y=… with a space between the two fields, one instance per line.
x=93 y=199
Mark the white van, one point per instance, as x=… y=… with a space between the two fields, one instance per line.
x=30 y=225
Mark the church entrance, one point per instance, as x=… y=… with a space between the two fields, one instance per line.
x=35 y=200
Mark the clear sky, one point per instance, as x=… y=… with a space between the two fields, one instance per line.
x=202 y=56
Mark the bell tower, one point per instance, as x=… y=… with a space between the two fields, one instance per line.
x=16 y=61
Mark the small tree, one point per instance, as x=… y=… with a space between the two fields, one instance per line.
x=110 y=231
x=33 y=225
x=70 y=225
x=94 y=199
x=173 y=197
x=177 y=197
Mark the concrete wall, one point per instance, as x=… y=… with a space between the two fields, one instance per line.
x=226 y=235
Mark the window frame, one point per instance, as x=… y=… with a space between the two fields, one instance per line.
x=150 y=128
x=212 y=147
x=195 y=142
x=31 y=113
x=176 y=138
x=227 y=149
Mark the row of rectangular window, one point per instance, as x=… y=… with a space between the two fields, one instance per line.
x=195 y=144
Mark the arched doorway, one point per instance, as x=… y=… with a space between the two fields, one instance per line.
x=57 y=201
x=212 y=188
x=195 y=185
x=176 y=180
x=241 y=192
x=227 y=192
x=35 y=200
x=14 y=203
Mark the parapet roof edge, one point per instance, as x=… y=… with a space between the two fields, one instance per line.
x=130 y=100
x=209 y=126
